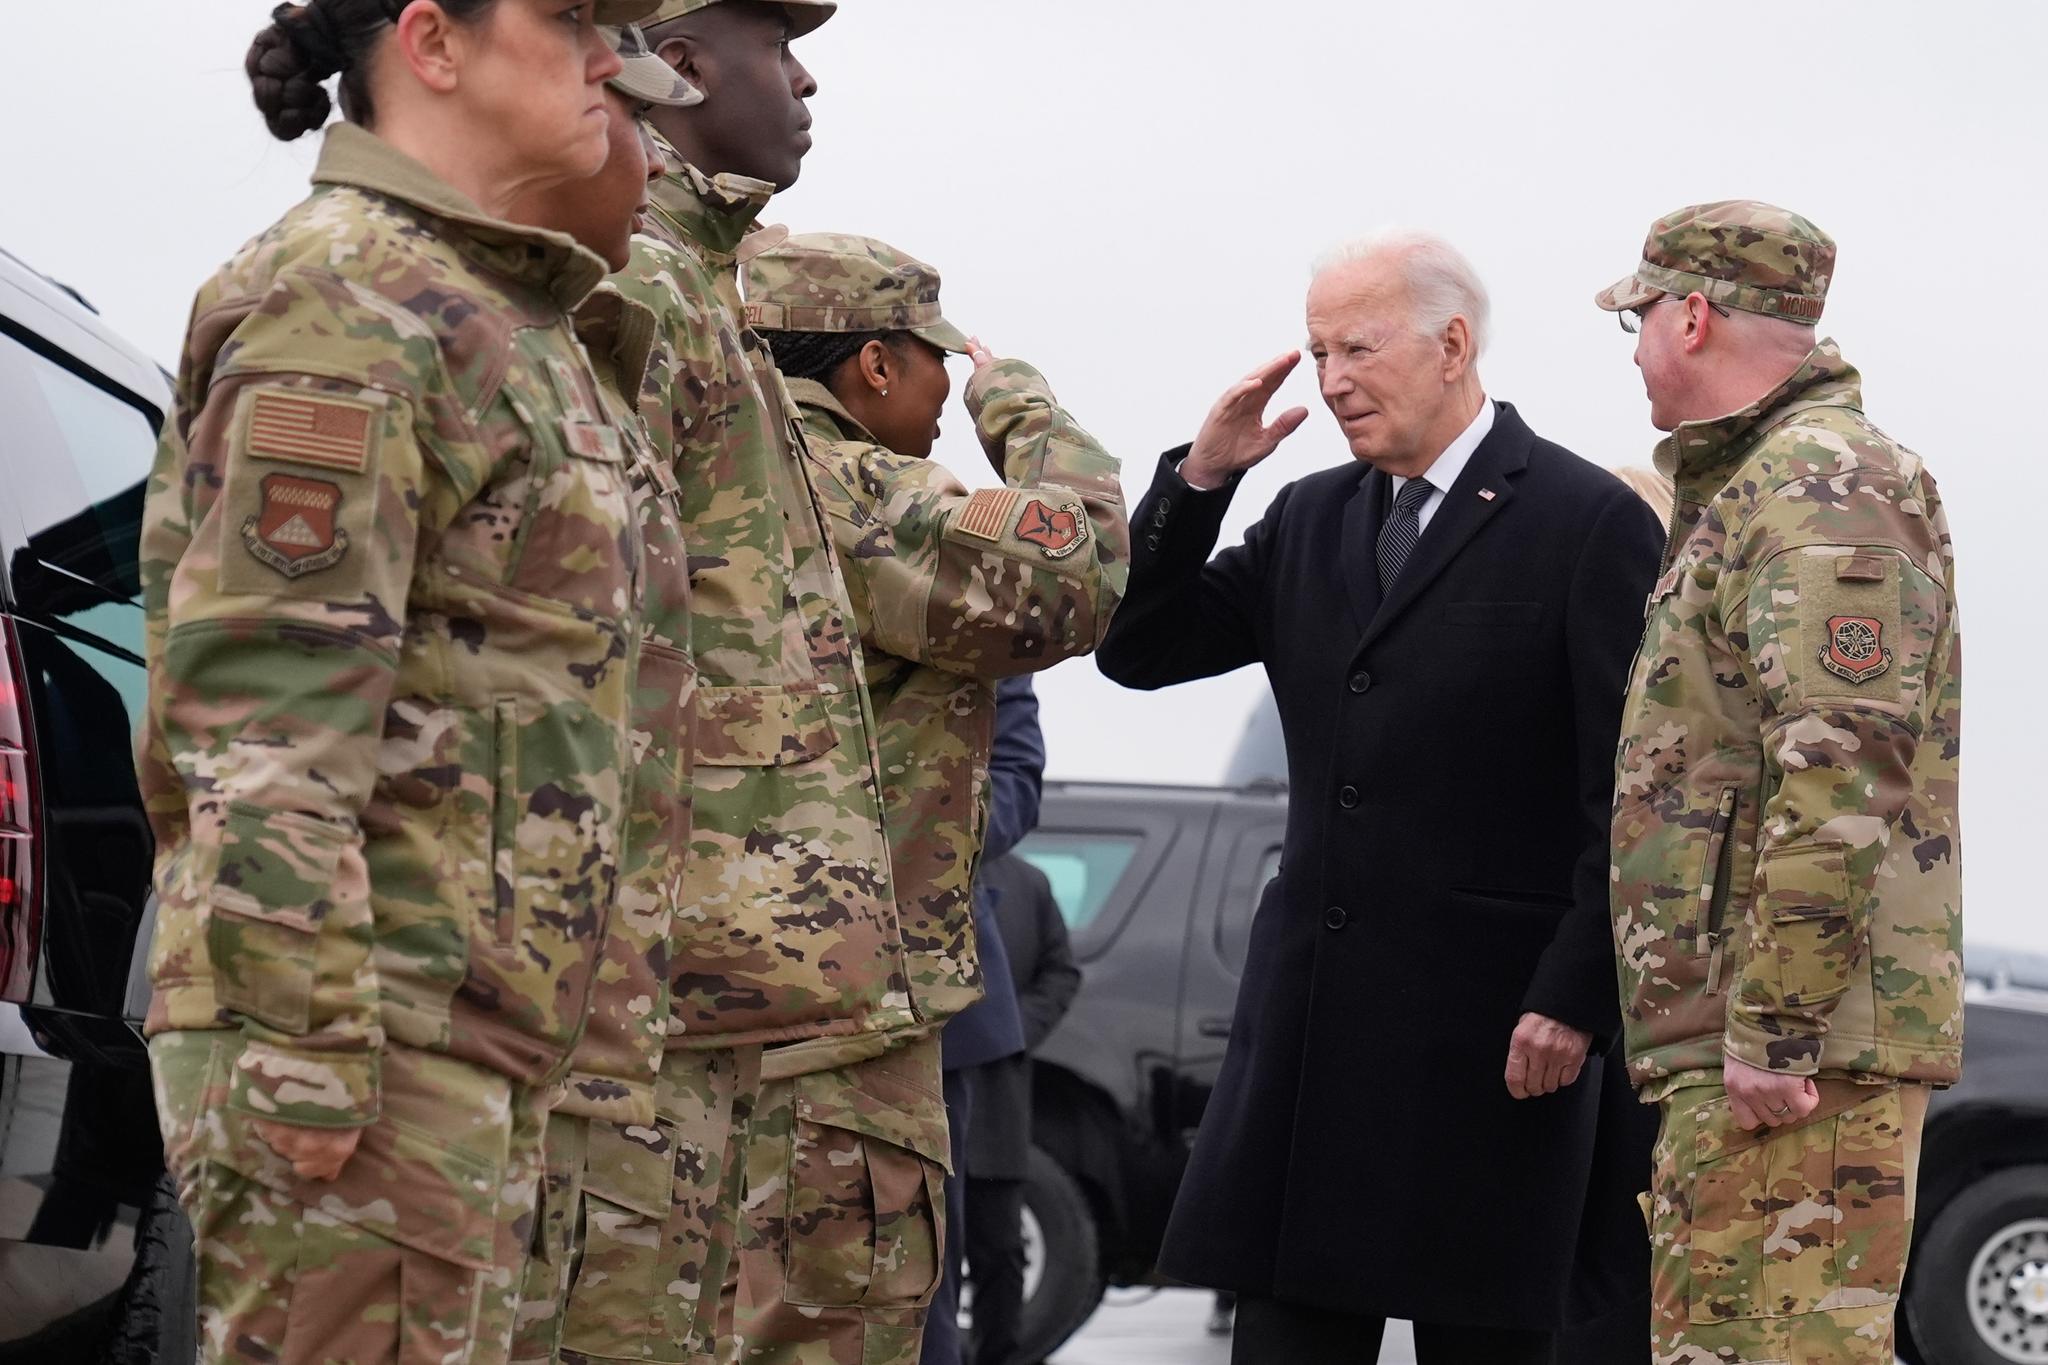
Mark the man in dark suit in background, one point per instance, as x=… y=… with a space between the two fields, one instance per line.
x=992 y=1027
x=1406 y=1125
x=998 y=1154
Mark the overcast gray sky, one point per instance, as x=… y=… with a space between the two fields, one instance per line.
x=1127 y=193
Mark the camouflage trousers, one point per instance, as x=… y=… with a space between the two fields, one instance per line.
x=844 y=1220
x=1785 y=1246
x=640 y=1220
x=413 y=1255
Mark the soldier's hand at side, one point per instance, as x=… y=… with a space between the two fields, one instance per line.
x=1760 y=1099
x=1236 y=435
x=1544 y=1056
x=315 y=1153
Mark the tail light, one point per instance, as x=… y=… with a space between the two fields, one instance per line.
x=20 y=814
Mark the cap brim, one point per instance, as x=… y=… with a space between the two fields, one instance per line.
x=943 y=335
x=654 y=81
x=807 y=15
x=614 y=12
x=1626 y=293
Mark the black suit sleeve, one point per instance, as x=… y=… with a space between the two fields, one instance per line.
x=1575 y=980
x=1055 y=976
x=1184 y=615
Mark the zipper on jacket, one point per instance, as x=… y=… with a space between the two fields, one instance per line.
x=505 y=808
x=1708 y=930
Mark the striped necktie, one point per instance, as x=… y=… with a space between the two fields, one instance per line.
x=1403 y=529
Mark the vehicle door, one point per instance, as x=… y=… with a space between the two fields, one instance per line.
x=1123 y=870
x=75 y=450
x=80 y=1158
x=1243 y=855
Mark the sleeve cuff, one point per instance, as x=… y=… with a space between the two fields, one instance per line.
x=1603 y=1025
x=1790 y=1054
x=305 y=1089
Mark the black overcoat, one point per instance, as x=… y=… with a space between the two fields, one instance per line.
x=1450 y=751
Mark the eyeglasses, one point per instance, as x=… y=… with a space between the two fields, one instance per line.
x=1632 y=318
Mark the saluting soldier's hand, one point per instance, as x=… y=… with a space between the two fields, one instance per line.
x=1236 y=435
x=1544 y=1056
x=1766 y=1099
x=315 y=1153
x=979 y=353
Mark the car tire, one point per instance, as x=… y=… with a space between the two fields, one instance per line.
x=1961 y=1302
x=1070 y=1283
x=159 y=1313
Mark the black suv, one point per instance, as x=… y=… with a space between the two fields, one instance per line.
x=1159 y=885
x=95 y=1259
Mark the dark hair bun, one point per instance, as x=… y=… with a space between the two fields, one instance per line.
x=286 y=65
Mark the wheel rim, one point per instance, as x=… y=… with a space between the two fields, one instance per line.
x=2008 y=1291
x=1034 y=1254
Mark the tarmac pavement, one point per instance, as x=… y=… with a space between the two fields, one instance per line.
x=1169 y=1327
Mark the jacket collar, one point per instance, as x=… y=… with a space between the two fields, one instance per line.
x=549 y=261
x=712 y=212
x=821 y=406
x=622 y=330
x=1697 y=450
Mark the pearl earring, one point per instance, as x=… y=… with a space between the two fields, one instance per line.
x=885 y=393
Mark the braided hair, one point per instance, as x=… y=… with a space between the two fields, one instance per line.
x=306 y=43
x=818 y=355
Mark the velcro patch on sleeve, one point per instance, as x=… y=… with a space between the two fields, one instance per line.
x=987 y=514
x=301 y=427
x=1850 y=618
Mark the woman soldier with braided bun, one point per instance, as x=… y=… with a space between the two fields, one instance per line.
x=392 y=566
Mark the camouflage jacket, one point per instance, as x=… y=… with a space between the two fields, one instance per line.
x=1786 y=850
x=951 y=591
x=390 y=564
x=791 y=928
x=613 y=1070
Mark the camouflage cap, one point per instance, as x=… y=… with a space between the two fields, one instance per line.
x=618 y=11
x=804 y=15
x=1737 y=252
x=831 y=282
x=646 y=76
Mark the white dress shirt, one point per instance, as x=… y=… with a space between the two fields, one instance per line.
x=1451 y=463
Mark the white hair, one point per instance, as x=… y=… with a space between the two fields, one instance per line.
x=1441 y=283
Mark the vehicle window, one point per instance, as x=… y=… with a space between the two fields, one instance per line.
x=1084 y=869
x=77 y=459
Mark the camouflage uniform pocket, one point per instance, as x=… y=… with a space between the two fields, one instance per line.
x=866 y=1191
x=266 y=899
x=1801 y=1220
x=1805 y=934
x=762 y=727
x=622 y=1296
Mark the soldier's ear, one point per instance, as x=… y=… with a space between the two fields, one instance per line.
x=685 y=52
x=877 y=366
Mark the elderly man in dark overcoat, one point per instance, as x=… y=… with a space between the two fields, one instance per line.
x=1416 y=1116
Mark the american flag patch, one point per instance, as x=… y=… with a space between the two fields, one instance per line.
x=987 y=514
x=304 y=428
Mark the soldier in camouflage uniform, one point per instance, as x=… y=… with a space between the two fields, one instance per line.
x=1787 y=904
x=788 y=928
x=391 y=570
x=613 y=1076
x=951 y=591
